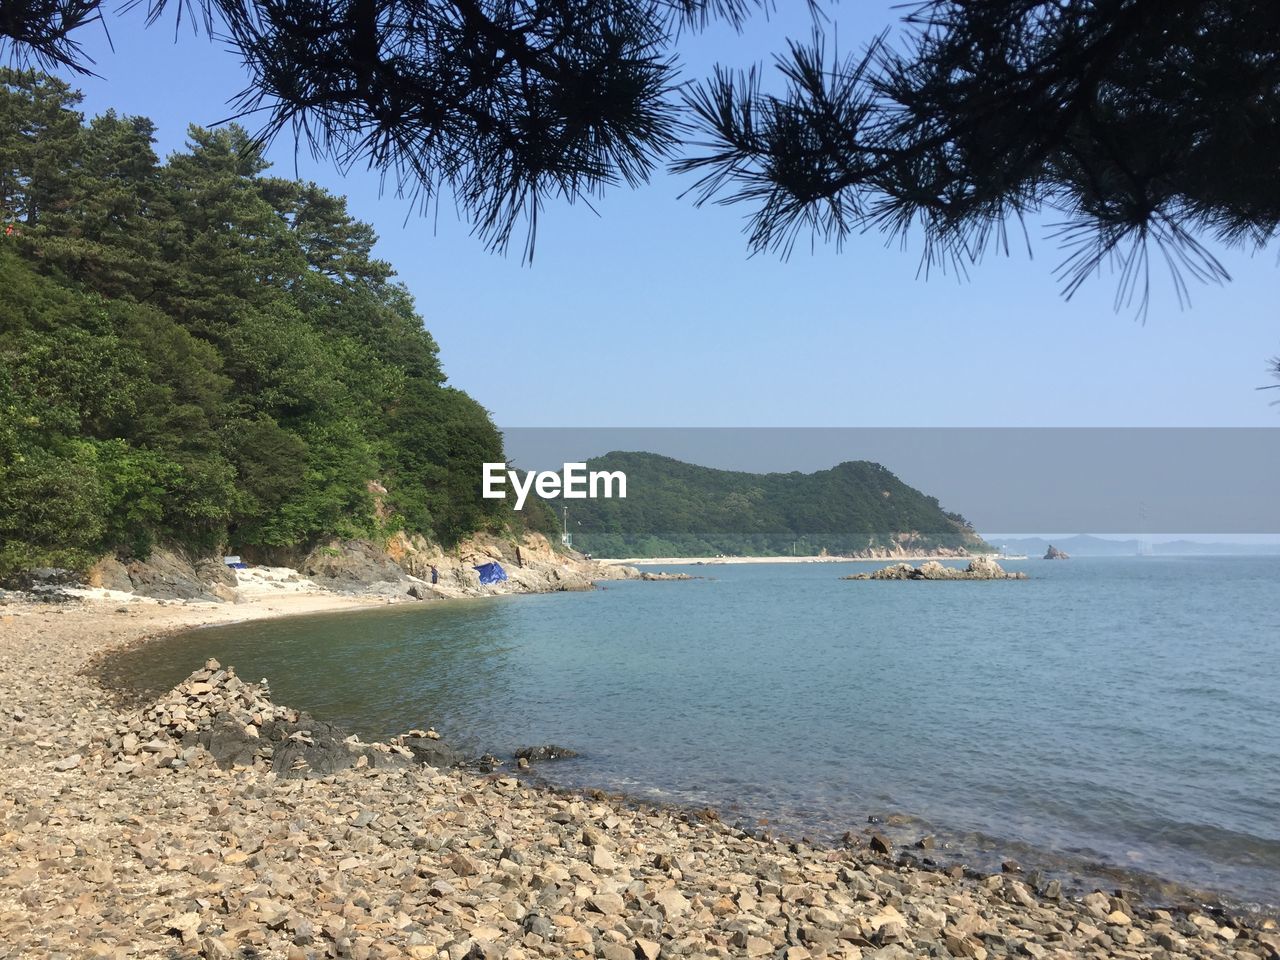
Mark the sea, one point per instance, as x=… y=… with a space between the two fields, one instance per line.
x=1113 y=721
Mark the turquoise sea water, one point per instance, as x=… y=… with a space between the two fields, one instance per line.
x=1124 y=711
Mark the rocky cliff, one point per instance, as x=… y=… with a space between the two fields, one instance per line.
x=399 y=569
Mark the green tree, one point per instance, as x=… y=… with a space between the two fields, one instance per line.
x=102 y=234
x=440 y=438
x=202 y=353
x=232 y=249
x=39 y=131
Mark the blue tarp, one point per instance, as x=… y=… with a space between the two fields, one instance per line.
x=491 y=573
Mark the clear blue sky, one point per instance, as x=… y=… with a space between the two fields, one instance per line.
x=651 y=313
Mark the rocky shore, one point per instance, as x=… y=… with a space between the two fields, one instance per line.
x=400 y=569
x=128 y=832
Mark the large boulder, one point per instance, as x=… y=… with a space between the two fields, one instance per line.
x=226 y=742
x=432 y=753
x=299 y=748
x=933 y=570
x=351 y=565
x=549 y=751
x=562 y=580
x=307 y=747
x=213 y=572
x=165 y=575
x=615 y=571
x=169 y=575
x=985 y=568
x=109 y=574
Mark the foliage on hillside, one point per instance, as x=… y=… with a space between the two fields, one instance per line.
x=679 y=509
x=195 y=351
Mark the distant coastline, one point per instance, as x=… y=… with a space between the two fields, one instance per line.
x=708 y=561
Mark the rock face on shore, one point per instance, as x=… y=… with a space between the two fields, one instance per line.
x=166 y=574
x=1053 y=553
x=382 y=861
x=351 y=565
x=398 y=570
x=404 y=567
x=979 y=568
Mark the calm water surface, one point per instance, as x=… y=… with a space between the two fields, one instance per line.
x=1123 y=710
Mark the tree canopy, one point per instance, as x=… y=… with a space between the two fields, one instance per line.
x=1147 y=128
x=198 y=352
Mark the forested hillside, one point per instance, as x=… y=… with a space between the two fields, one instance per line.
x=198 y=352
x=680 y=509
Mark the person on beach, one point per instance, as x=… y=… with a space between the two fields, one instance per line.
x=435 y=575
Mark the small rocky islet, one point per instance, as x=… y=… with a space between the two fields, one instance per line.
x=214 y=823
x=979 y=568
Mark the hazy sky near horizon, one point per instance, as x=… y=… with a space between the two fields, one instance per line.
x=652 y=314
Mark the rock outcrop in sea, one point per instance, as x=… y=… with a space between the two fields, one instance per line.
x=979 y=568
x=1053 y=553
x=549 y=751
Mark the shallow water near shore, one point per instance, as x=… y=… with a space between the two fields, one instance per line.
x=1125 y=711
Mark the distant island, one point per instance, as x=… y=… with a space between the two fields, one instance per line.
x=677 y=509
x=1091 y=546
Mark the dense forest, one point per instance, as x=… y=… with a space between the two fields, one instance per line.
x=196 y=352
x=679 y=509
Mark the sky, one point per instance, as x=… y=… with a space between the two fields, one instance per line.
x=649 y=312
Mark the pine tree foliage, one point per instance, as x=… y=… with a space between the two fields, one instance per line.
x=1144 y=131
x=1143 y=127
x=507 y=103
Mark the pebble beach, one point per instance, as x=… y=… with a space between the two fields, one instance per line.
x=122 y=836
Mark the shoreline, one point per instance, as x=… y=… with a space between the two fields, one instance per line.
x=977 y=853
x=720 y=875
x=710 y=561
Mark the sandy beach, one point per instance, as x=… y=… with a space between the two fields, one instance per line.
x=119 y=839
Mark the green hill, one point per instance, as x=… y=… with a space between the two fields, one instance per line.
x=198 y=353
x=674 y=508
